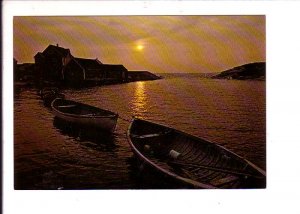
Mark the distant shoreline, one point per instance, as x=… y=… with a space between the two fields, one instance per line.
x=250 y=71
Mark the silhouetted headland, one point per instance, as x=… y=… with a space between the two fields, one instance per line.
x=141 y=76
x=255 y=70
x=57 y=66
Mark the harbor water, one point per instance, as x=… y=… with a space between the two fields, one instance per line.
x=231 y=113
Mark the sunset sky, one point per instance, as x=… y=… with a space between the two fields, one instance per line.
x=159 y=44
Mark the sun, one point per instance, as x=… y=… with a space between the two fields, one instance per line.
x=140 y=47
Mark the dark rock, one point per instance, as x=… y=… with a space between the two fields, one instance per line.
x=255 y=70
x=141 y=76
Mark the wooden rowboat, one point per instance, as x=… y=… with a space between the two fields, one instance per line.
x=84 y=115
x=49 y=94
x=190 y=160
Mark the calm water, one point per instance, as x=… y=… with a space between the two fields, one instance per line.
x=47 y=156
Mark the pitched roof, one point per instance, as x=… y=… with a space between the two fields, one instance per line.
x=38 y=54
x=89 y=64
x=60 y=50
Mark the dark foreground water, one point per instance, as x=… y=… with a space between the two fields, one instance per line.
x=49 y=156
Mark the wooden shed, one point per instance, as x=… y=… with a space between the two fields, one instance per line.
x=50 y=62
x=81 y=69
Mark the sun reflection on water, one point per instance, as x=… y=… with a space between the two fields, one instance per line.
x=140 y=100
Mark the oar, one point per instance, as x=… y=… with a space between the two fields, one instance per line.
x=214 y=169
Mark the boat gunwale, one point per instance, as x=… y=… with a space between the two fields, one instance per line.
x=109 y=115
x=187 y=180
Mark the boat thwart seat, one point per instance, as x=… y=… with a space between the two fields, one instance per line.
x=66 y=106
x=192 y=160
x=146 y=135
x=158 y=134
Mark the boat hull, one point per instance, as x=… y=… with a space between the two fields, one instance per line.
x=195 y=162
x=50 y=94
x=106 y=122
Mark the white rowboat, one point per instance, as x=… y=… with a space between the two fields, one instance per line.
x=85 y=115
x=193 y=161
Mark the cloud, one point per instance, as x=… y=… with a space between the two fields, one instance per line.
x=183 y=43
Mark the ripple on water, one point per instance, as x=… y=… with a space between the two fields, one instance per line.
x=48 y=155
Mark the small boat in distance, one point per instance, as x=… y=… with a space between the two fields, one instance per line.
x=194 y=162
x=49 y=94
x=84 y=115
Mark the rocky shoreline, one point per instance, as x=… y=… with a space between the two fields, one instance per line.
x=251 y=71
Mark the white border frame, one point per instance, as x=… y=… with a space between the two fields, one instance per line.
x=283 y=117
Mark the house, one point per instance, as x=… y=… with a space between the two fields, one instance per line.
x=15 y=63
x=114 y=73
x=80 y=70
x=15 y=68
x=24 y=72
x=50 y=62
x=57 y=64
